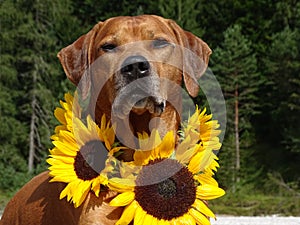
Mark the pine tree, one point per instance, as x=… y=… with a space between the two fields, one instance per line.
x=109 y=8
x=13 y=132
x=282 y=67
x=31 y=78
x=185 y=13
x=235 y=65
x=283 y=63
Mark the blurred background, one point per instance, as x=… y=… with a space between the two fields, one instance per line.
x=256 y=59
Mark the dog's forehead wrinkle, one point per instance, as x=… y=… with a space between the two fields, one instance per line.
x=136 y=28
x=113 y=38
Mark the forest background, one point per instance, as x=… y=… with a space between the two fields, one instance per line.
x=256 y=59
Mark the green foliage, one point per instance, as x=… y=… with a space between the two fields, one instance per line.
x=30 y=73
x=185 y=13
x=284 y=64
x=256 y=204
x=235 y=65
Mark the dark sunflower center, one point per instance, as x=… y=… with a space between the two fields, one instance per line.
x=165 y=189
x=90 y=160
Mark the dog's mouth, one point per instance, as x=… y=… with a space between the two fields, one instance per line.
x=153 y=105
x=142 y=95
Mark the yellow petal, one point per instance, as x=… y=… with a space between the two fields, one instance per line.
x=103 y=122
x=148 y=219
x=188 y=220
x=57 y=165
x=81 y=132
x=207 y=160
x=194 y=163
x=92 y=127
x=60 y=159
x=62 y=170
x=154 y=221
x=121 y=185
x=66 y=178
x=208 y=192
x=202 y=207
x=96 y=184
x=65 y=191
x=110 y=134
x=122 y=199
x=67 y=148
x=166 y=148
x=206 y=178
x=80 y=194
x=162 y=222
x=201 y=161
x=187 y=155
x=66 y=136
x=128 y=214
x=68 y=97
x=181 y=149
x=139 y=216
x=56 y=151
x=199 y=217
x=141 y=157
x=153 y=141
x=59 y=114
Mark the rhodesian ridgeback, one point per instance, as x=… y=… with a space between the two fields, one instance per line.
x=103 y=64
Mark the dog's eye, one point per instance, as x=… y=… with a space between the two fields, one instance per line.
x=160 y=43
x=108 y=47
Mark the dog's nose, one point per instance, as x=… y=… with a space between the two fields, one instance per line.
x=135 y=67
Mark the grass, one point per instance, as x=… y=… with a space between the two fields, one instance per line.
x=4 y=198
x=234 y=204
x=256 y=205
x=249 y=205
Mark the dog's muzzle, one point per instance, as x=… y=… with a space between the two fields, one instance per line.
x=139 y=89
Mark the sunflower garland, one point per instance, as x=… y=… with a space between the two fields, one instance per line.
x=171 y=184
x=166 y=183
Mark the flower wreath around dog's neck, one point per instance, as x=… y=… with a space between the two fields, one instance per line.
x=166 y=183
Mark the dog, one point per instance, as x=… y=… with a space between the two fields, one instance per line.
x=106 y=65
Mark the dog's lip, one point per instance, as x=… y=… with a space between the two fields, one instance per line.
x=155 y=106
x=140 y=107
x=139 y=111
x=142 y=103
x=142 y=95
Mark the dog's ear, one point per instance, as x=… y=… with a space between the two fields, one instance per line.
x=195 y=57
x=76 y=59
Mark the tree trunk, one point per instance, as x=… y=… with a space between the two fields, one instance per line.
x=237 y=138
x=32 y=126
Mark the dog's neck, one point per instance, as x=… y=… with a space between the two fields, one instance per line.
x=138 y=124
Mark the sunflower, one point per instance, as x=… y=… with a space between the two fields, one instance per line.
x=79 y=153
x=169 y=185
x=203 y=129
x=64 y=114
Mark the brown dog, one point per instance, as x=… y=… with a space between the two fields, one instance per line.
x=128 y=68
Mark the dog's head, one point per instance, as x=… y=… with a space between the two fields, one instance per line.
x=131 y=67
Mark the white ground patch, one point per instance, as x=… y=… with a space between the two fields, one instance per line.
x=259 y=220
